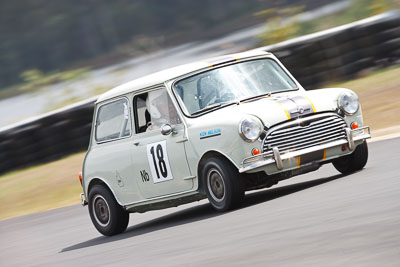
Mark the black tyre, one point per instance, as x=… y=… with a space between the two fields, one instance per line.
x=223 y=185
x=107 y=215
x=353 y=162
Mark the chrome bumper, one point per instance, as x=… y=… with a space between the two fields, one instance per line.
x=258 y=161
x=83 y=200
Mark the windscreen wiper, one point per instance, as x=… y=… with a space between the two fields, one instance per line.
x=253 y=98
x=214 y=106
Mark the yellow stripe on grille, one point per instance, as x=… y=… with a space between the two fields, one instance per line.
x=313 y=107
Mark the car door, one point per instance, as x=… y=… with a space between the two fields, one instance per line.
x=160 y=164
x=109 y=157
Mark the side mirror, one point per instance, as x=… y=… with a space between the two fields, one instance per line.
x=166 y=129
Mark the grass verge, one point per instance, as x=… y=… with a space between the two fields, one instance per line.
x=55 y=184
x=39 y=188
x=379 y=94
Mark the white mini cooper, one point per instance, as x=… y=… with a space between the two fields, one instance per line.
x=213 y=129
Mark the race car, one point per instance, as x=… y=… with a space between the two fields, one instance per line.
x=213 y=129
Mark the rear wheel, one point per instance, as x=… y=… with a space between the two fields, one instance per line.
x=107 y=215
x=353 y=162
x=224 y=187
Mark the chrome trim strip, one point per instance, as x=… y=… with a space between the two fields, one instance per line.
x=150 y=200
x=263 y=162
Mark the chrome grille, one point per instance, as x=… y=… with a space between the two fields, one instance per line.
x=304 y=133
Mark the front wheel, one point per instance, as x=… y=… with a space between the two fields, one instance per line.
x=107 y=215
x=353 y=162
x=223 y=185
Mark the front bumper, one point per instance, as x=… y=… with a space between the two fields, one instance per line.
x=257 y=162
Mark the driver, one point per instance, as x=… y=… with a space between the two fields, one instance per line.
x=161 y=110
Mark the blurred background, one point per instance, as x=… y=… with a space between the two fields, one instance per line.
x=57 y=56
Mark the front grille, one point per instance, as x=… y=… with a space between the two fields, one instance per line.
x=304 y=133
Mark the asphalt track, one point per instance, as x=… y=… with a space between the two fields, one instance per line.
x=317 y=219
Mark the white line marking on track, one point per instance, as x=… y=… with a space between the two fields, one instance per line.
x=392 y=132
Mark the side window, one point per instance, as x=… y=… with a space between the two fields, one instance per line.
x=113 y=121
x=153 y=109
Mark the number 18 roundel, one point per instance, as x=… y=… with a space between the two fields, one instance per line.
x=158 y=160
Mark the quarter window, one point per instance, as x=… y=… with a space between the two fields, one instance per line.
x=113 y=121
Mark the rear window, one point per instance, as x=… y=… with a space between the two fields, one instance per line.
x=113 y=121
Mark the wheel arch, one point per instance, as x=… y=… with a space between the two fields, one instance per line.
x=100 y=181
x=203 y=159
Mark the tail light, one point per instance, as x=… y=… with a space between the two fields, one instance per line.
x=80 y=177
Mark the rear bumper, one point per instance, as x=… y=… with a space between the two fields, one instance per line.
x=83 y=200
x=283 y=162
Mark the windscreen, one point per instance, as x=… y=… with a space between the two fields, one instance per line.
x=232 y=83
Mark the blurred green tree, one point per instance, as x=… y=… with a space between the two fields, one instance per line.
x=281 y=24
x=49 y=35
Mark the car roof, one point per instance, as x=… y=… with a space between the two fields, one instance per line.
x=175 y=72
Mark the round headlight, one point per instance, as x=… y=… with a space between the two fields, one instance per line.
x=250 y=128
x=348 y=102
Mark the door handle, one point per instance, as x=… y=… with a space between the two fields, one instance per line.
x=184 y=139
x=136 y=143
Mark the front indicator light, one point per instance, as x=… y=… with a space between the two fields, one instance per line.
x=354 y=125
x=255 y=152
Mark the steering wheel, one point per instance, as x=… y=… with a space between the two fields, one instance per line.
x=227 y=97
